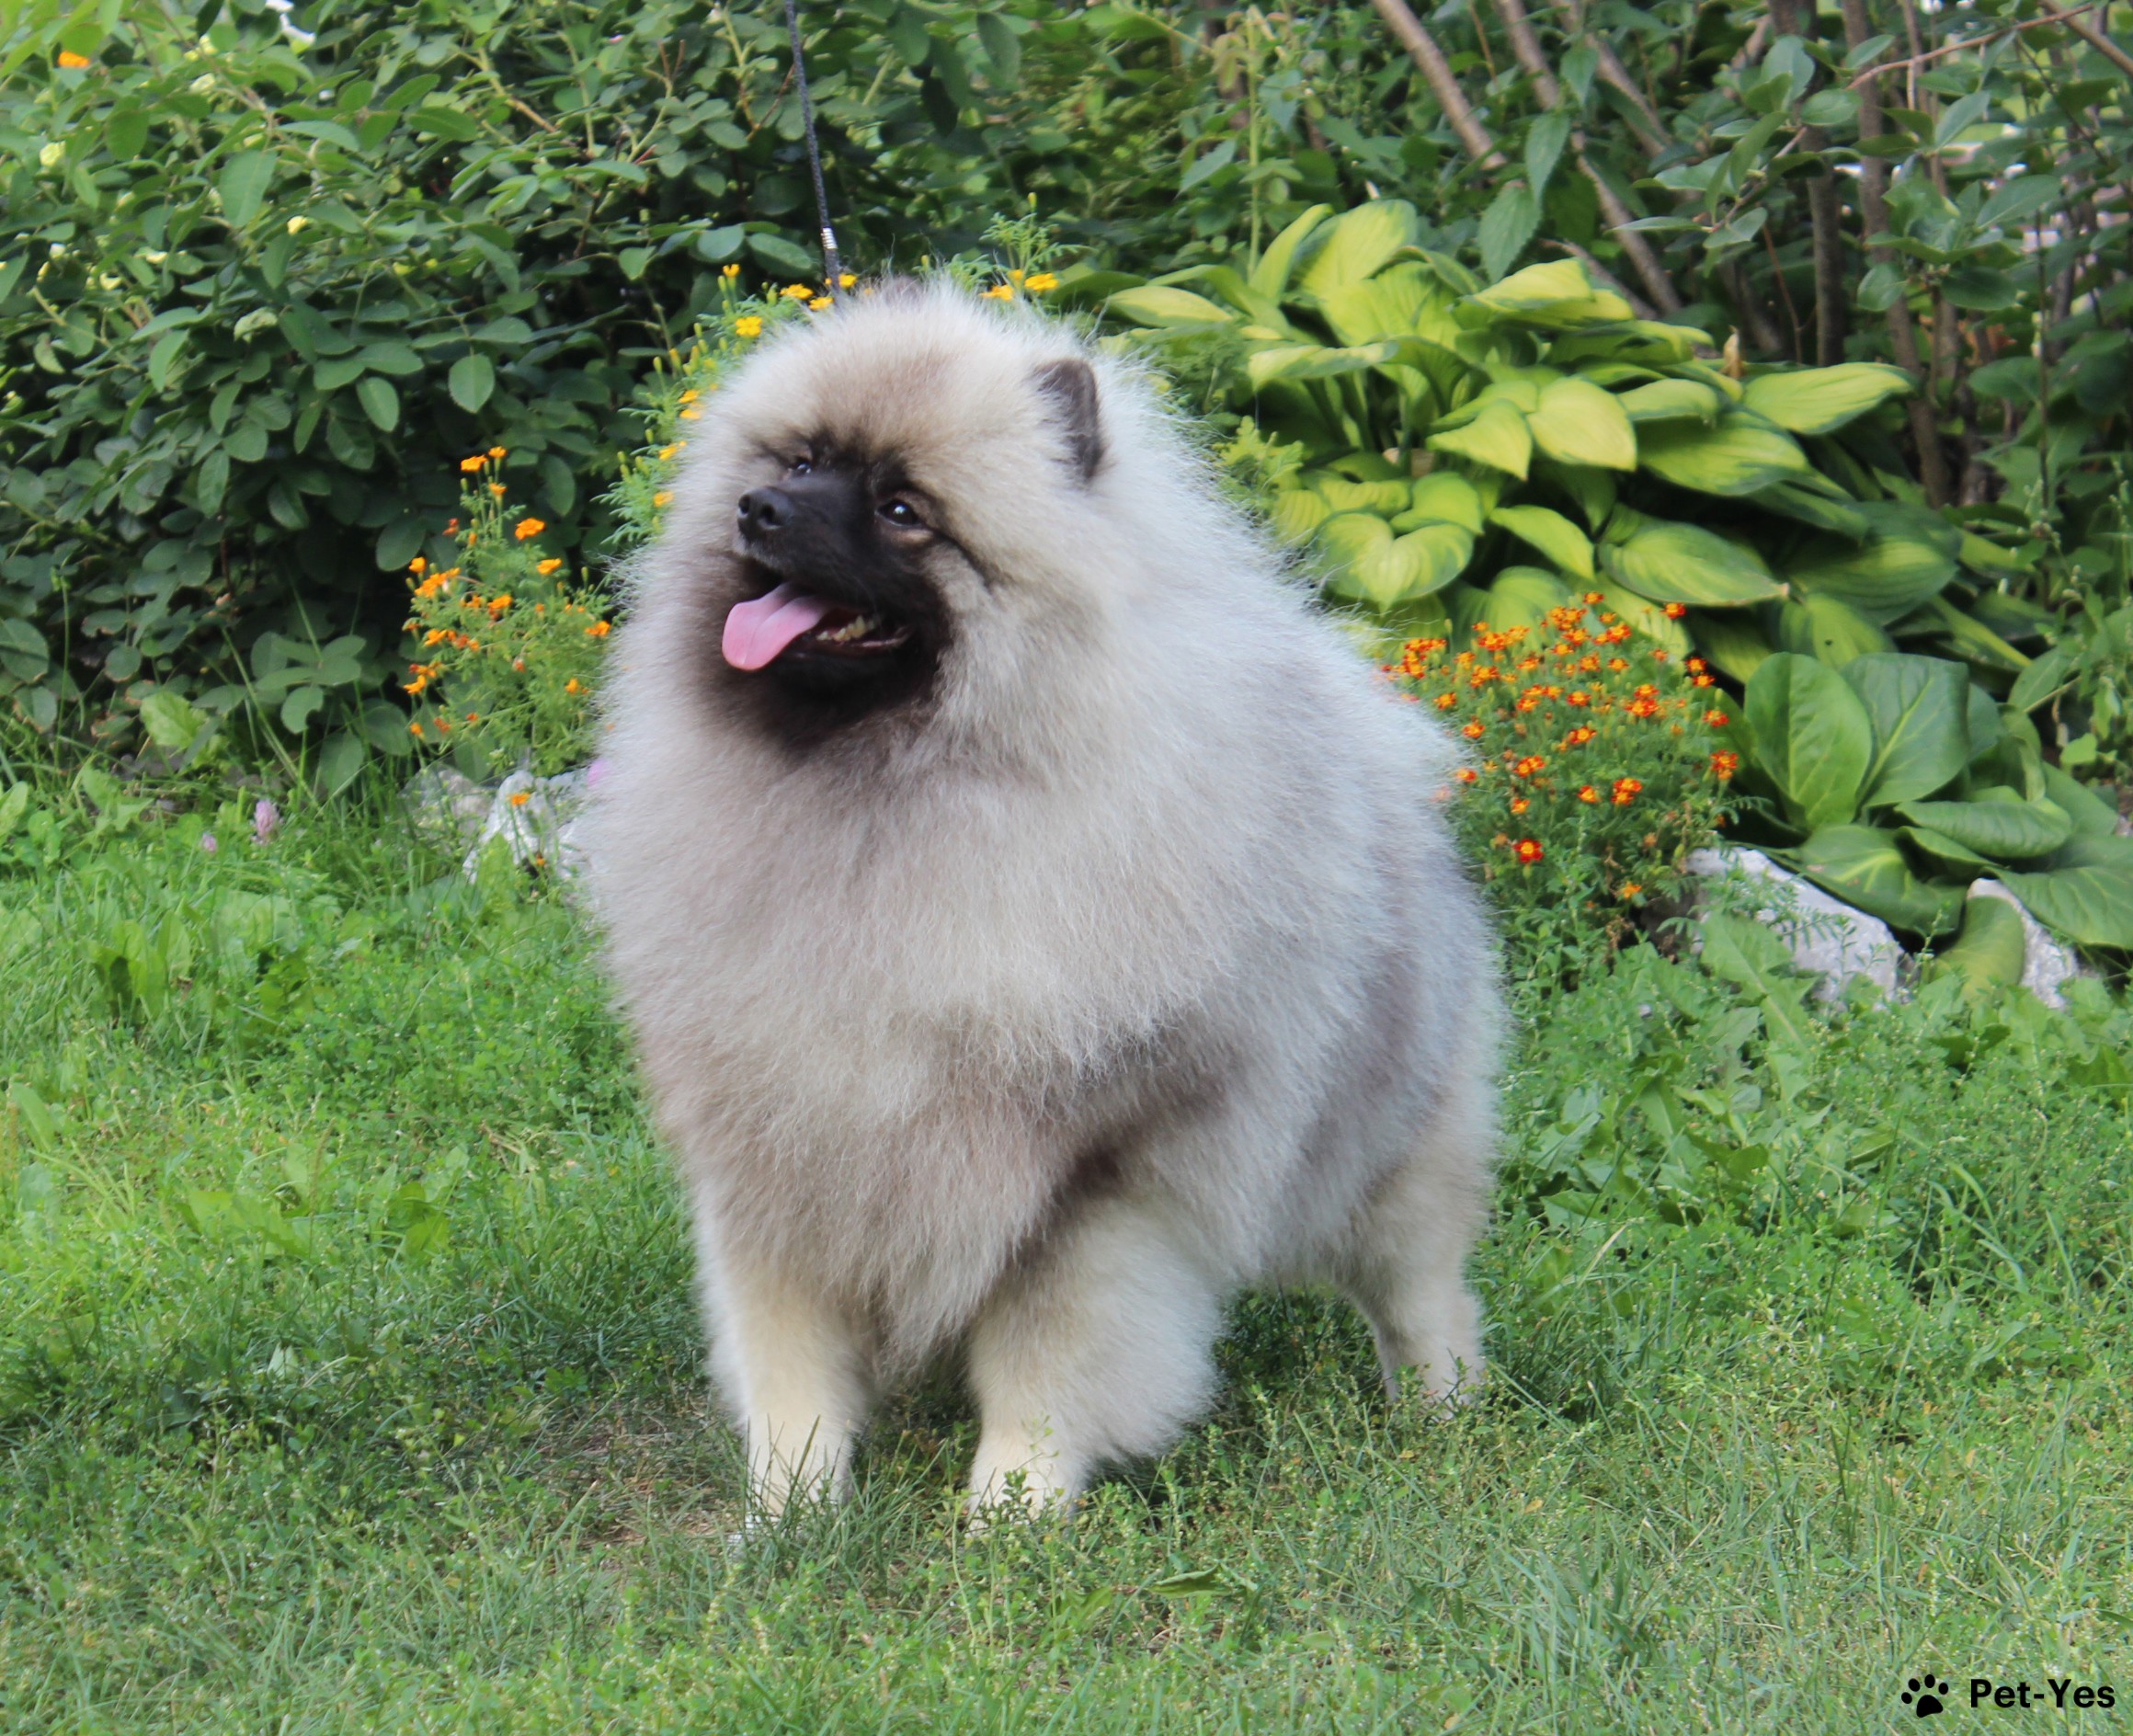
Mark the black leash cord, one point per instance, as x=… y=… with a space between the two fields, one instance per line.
x=831 y=265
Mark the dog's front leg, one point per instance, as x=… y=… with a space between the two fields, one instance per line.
x=796 y=1371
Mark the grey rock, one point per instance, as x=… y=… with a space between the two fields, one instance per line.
x=1827 y=936
x=2047 y=964
x=446 y=802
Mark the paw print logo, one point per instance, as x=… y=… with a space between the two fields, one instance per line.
x=1922 y=1695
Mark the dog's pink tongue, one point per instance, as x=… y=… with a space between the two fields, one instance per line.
x=756 y=631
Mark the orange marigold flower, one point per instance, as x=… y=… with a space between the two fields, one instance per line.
x=1565 y=617
x=520 y=798
x=528 y=528
x=1446 y=701
x=1473 y=732
x=665 y=498
x=496 y=488
x=496 y=452
x=1528 y=849
x=1586 y=792
x=1466 y=774
x=1645 y=690
x=1528 y=766
x=518 y=666
x=1519 y=804
x=1630 y=888
x=471 y=464
x=68 y=58
x=1426 y=648
x=599 y=630
x=1676 y=611
x=1578 y=736
x=574 y=686
x=1577 y=696
x=1704 y=680
x=1717 y=720
x=548 y=566
x=415 y=729
x=1527 y=663
x=1618 y=664
x=417 y=565
x=1695 y=665
x=1725 y=763
x=1627 y=790
x=1595 y=597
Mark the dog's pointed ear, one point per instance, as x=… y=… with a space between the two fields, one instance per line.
x=1069 y=384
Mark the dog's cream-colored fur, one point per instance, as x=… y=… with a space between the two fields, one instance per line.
x=1132 y=967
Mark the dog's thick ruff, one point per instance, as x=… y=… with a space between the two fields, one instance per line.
x=1108 y=954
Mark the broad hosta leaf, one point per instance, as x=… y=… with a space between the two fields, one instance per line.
x=1271 y=275
x=1538 y=286
x=1672 y=400
x=1885 y=578
x=1553 y=534
x=1522 y=597
x=1822 y=628
x=1945 y=856
x=1356 y=243
x=1732 y=639
x=2044 y=678
x=2012 y=830
x=1815 y=400
x=2092 y=816
x=1812 y=737
x=1345 y=495
x=1297 y=512
x=1444 y=498
x=1861 y=865
x=1810 y=507
x=1579 y=423
x=1738 y=456
x=1674 y=563
x=1991 y=950
x=1919 y=707
x=2088 y=900
x=1970 y=638
x=1159 y=304
x=1372 y=563
x=1312 y=361
x=1497 y=437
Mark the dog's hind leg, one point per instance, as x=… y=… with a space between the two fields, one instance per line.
x=1096 y=1349
x=1405 y=1269
x=796 y=1373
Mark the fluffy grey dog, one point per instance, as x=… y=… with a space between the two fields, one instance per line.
x=1035 y=922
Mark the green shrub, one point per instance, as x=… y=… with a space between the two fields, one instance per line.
x=259 y=290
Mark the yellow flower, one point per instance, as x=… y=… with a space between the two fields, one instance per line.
x=549 y=566
x=297 y=225
x=665 y=498
x=797 y=292
x=599 y=630
x=529 y=528
x=691 y=415
x=574 y=686
x=819 y=303
x=667 y=451
x=520 y=797
x=690 y=396
x=496 y=488
x=749 y=327
x=729 y=271
x=1014 y=276
x=1041 y=281
x=416 y=564
x=1000 y=292
x=471 y=464
x=846 y=281
x=67 y=57
x=496 y=452
x=415 y=729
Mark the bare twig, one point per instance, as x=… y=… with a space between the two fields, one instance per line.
x=1436 y=70
x=1874 y=214
x=2096 y=40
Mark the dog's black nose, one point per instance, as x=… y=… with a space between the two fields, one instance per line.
x=765 y=511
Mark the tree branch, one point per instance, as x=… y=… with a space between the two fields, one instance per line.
x=1422 y=49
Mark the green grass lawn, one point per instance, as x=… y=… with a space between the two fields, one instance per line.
x=349 y=1370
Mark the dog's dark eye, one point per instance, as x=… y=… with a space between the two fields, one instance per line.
x=802 y=466
x=901 y=513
